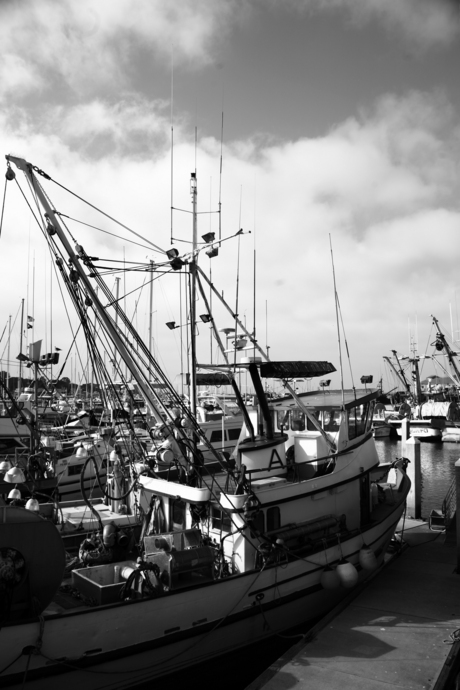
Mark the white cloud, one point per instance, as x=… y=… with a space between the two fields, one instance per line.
x=85 y=46
x=384 y=185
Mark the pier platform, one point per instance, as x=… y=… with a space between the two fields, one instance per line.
x=398 y=630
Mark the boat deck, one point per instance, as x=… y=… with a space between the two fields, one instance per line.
x=396 y=631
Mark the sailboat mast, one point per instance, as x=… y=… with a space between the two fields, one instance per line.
x=20 y=348
x=8 y=354
x=150 y=311
x=193 y=191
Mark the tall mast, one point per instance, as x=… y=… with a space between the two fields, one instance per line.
x=20 y=348
x=117 y=294
x=8 y=353
x=150 y=311
x=193 y=191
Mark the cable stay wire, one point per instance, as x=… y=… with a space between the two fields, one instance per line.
x=144 y=239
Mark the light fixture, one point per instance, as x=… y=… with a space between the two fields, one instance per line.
x=227 y=331
x=240 y=343
x=212 y=252
x=15 y=476
x=367 y=379
x=33 y=505
x=172 y=325
x=326 y=383
x=206 y=318
x=5 y=465
x=209 y=237
x=14 y=494
x=175 y=262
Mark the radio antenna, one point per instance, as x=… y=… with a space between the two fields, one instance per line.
x=338 y=325
x=172 y=141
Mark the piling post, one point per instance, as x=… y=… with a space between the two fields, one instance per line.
x=414 y=472
x=457 y=518
x=404 y=432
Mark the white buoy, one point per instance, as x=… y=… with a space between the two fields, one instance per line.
x=329 y=578
x=347 y=573
x=367 y=558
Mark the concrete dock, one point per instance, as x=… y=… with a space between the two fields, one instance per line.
x=398 y=630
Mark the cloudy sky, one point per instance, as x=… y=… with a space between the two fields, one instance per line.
x=341 y=126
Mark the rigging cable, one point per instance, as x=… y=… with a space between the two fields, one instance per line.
x=108 y=216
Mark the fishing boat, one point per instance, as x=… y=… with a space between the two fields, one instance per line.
x=425 y=419
x=208 y=562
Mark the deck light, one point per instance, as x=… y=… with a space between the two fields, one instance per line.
x=14 y=495
x=209 y=237
x=172 y=325
x=15 y=476
x=33 y=505
x=212 y=252
x=175 y=262
x=5 y=465
x=325 y=383
x=206 y=318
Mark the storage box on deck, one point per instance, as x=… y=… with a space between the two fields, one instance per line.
x=99 y=582
x=180 y=557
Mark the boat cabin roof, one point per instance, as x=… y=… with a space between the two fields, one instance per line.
x=328 y=400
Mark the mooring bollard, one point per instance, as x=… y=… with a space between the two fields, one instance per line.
x=411 y=450
x=457 y=517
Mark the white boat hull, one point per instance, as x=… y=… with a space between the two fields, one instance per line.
x=129 y=643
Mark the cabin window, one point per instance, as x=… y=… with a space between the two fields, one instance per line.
x=220 y=520
x=282 y=419
x=273 y=519
x=178 y=514
x=233 y=434
x=331 y=420
x=216 y=436
x=258 y=524
x=297 y=420
x=370 y=415
x=74 y=469
x=310 y=425
x=357 y=417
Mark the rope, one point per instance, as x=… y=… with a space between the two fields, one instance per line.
x=3 y=206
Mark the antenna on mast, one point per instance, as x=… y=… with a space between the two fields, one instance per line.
x=337 y=319
x=220 y=170
x=172 y=141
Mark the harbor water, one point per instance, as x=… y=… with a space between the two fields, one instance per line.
x=438 y=468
